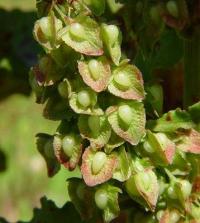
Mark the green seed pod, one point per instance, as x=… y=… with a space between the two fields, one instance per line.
x=101 y=199
x=63 y=89
x=171 y=192
x=45 y=25
x=131 y=187
x=68 y=143
x=94 y=69
x=43 y=29
x=94 y=124
x=122 y=81
x=162 y=139
x=145 y=179
x=174 y=216
x=98 y=162
x=148 y=147
x=172 y=8
x=84 y=98
x=125 y=114
x=77 y=30
x=112 y=33
x=186 y=188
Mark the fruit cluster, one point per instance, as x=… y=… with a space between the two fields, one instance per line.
x=84 y=79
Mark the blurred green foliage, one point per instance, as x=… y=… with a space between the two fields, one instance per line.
x=25 y=180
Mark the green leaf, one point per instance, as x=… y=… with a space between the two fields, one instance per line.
x=43 y=7
x=50 y=213
x=96 y=129
x=169 y=44
x=95 y=73
x=171 y=121
x=69 y=157
x=126 y=82
x=123 y=169
x=104 y=164
x=97 y=7
x=83 y=35
x=154 y=99
x=112 y=39
x=82 y=197
x=194 y=111
x=57 y=108
x=133 y=131
x=111 y=209
x=45 y=148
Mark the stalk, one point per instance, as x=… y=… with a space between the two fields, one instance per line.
x=192 y=70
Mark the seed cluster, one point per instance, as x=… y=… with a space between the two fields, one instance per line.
x=97 y=94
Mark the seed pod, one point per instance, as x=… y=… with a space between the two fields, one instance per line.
x=106 y=199
x=129 y=125
x=143 y=188
x=112 y=39
x=159 y=148
x=83 y=35
x=126 y=82
x=96 y=129
x=95 y=73
x=45 y=31
x=85 y=102
x=68 y=149
x=101 y=199
x=97 y=167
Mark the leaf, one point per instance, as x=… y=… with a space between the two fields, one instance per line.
x=89 y=43
x=43 y=7
x=57 y=108
x=171 y=121
x=103 y=71
x=69 y=162
x=96 y=129
x=133 y=77
x=170 y=44
x=103 y=175
x=136 y=129
x=50 y=213
x=45 y=148
x=194 y=111
x=97 y=7
x=123 y=170
x=82 y=197
x=189 y=141
x=112 y=40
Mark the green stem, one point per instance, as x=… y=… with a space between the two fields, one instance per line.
x=192 y=70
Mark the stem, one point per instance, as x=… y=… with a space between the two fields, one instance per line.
x=192 y=70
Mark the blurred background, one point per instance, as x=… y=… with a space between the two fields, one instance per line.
x=23 y=177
